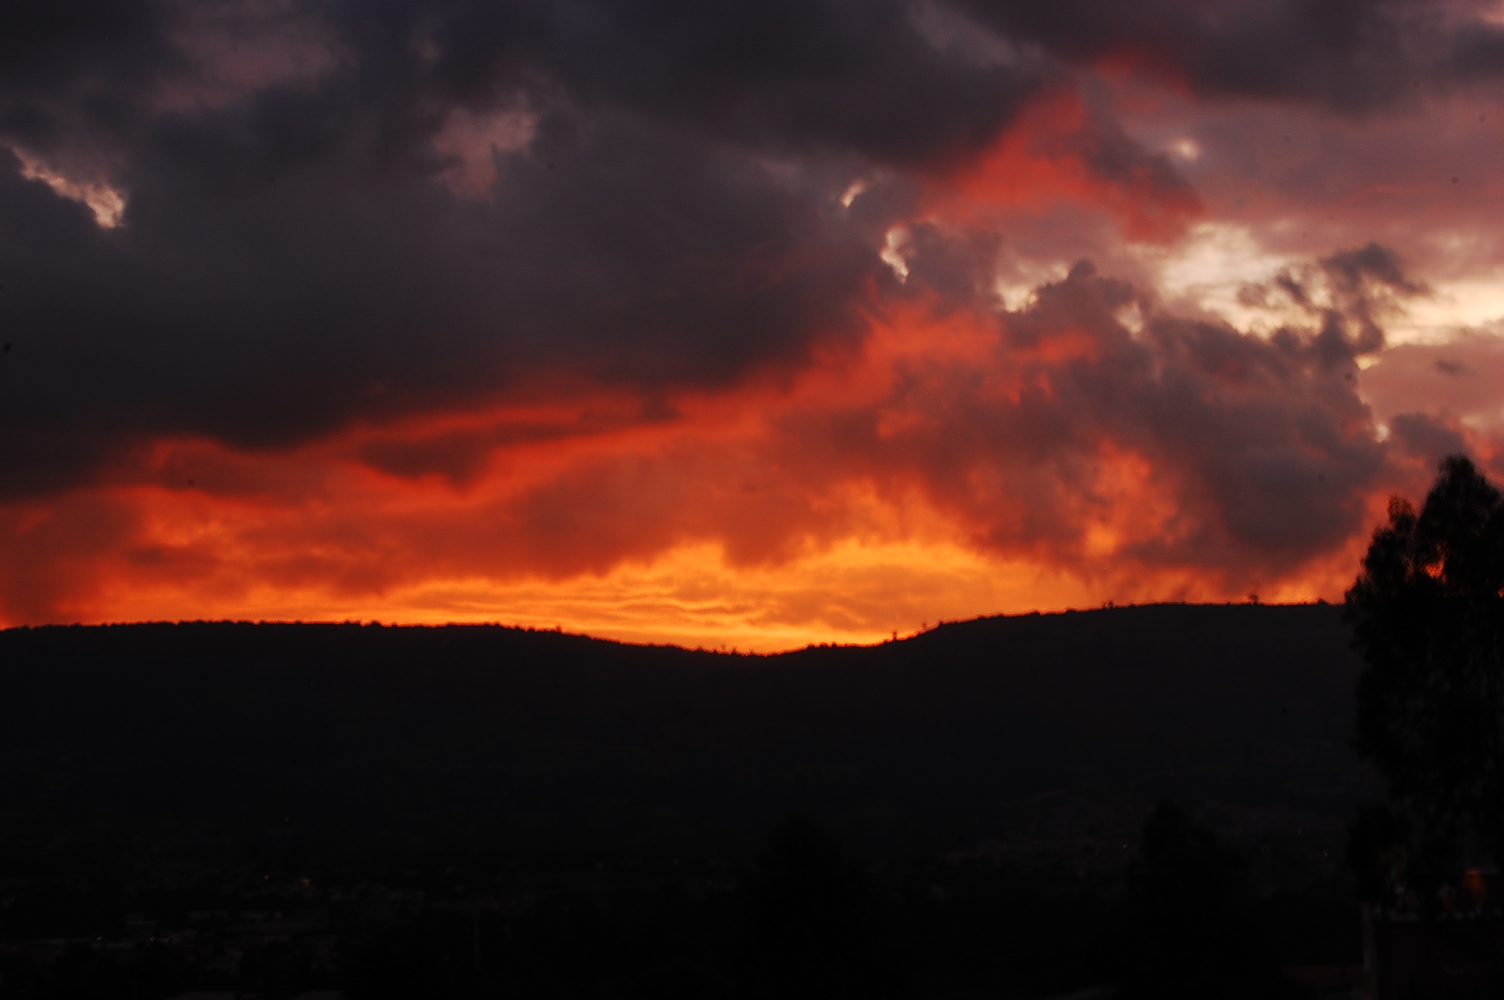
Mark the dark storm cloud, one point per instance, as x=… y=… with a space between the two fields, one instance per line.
x=1349 y=54
x=1359 y=288
x=297 y=255
x=294 y=255
x=1262 y=446
x=263 y=308
x=1427 y=438
x=838 y=74
x=53 y=52
x=1268 y=445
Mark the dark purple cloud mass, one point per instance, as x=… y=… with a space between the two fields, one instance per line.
x=1351 y=55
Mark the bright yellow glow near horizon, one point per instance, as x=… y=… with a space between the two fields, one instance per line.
x=850 y=594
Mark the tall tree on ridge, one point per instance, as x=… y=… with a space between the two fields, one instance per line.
x=1427 y=613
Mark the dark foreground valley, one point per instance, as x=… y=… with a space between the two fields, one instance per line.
x=1021 y=806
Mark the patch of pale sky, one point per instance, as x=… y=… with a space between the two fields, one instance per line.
x=1454 y=306
x=1020 y=277
x=1186 y=148
x=1210 y=267
x=1013 y=295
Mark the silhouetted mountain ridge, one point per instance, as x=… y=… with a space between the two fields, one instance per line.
x=554 y=738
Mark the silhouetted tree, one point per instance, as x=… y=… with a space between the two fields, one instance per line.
x=1427 y=614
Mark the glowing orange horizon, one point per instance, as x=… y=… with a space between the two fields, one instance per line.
x=690 y=598
x=731 y=525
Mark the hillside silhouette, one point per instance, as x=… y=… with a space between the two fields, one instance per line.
x=1042 y=730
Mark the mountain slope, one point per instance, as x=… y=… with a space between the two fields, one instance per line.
x=954 y=736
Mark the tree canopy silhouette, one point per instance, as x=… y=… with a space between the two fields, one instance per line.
x=1427 y=614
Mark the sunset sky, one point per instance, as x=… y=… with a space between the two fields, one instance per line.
x=751 y=323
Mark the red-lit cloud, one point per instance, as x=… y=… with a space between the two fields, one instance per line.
x=794 y=323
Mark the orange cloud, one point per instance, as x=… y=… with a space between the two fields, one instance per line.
x=1059 y=152
x=953 y=465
